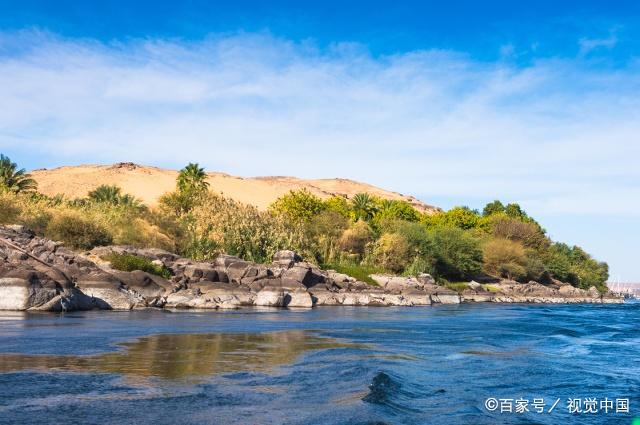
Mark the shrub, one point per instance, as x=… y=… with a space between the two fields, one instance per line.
x=9 y=211
x=397 y=210
x=77 y=231
x=391 y=251
x=458 y=254
x=129 y=263
x=298 y=205
x=529 y=233
x=575 y=266
x=460 y=217
x=355 y=239
x=340 y=205
x=504 y=258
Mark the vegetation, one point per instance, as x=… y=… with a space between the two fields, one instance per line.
x=354 y=236
x=77 y=231
x=14 y=179
x=129 y=263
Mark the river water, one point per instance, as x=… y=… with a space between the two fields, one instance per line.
x=329 y=365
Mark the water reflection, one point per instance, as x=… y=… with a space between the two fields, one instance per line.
x=176 y=356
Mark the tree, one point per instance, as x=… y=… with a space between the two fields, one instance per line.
x=460 y=217
x=391 y=251
x=192 y=179
x=457 y=253
x=504 y=258
x=493 y=208
x=399 y=210
x=528 y=232
x=14 y=179
x=106 y=193
x=340 y=205
x=113 y=195
x=364 y=206
x=298 y=205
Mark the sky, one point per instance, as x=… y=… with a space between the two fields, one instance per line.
x=457 y=103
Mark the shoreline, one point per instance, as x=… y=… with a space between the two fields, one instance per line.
x=38 y=274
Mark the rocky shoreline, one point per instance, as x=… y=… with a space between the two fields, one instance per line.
x=38 y=274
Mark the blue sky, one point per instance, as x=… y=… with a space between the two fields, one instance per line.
x=456 y=102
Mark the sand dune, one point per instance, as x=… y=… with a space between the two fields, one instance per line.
x=149 y=183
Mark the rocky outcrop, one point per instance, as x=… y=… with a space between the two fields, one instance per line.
x=40 y=274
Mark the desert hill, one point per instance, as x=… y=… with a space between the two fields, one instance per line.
x=149 y=183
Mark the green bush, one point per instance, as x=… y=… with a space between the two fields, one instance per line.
x=460 y=217
x=129 y=263
x=298 y=205
x=77 y=232
x=458 y=254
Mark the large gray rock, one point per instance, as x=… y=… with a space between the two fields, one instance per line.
x=23 y=289
x=108 y=292
x=286 y=258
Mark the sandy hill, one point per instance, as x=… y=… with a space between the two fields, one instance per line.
x=149 y=183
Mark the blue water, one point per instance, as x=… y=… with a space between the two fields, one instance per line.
x=342 y=365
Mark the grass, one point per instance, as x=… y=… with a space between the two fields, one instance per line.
x=492 y=288
x=357 y=271
x=456 y=286
x=129 y=263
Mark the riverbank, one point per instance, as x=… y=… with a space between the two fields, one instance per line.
x=43 y=275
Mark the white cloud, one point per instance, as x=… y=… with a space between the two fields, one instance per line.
x=554 y=135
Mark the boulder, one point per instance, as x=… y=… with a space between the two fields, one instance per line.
x=200 y=271
x=23 y=289
x=285 y=258
x=305 y=274
x=298 y=298
x=108 y=292
x=270 y=297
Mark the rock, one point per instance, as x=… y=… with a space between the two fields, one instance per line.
x=200 y=271
x=23 y=289
x=236 y=270
x=144 y=284
x=305 y=274
x=475 y=286
x=270 y=297
x=298 y=298
x=222 y=261
x=108 y=292
x=286 y=258
x=426 y=279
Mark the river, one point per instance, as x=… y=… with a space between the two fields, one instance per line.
x=458 y=364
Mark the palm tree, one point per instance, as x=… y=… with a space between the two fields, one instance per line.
x=106 y=193
x=192 y=178
x=113 y=195
x=364 y=206
x=13 y=179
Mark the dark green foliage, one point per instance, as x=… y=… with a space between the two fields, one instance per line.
x=129 y=263
x=77 y=232
x=192 y=179
x=364 y=206
x=14 y=179
x=113 y=195
x=458 y=254
x=494 y=207
x=575 y=266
